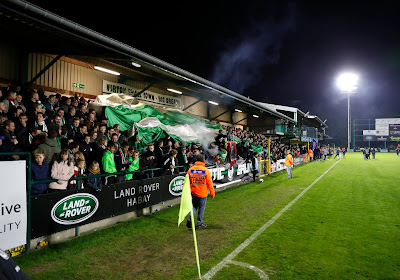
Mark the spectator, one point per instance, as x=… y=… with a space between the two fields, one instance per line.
x=34 y=98
x=182 y=159
x=73 y=149
x=87 y=149
x=50 y=147
x=5 y=147
x=134 y=166
x=41 y=123
x=101 y=146
x=8 y=132
x=74 y=131
x=90 y=122
x=40 y=171
x=117 y=130
x=19 y=103
x=169 y=162
x=147 y=162
x=9 y=101
x=62 y=170
x=108 y=163
x=21 y=131
x=121 y=160
x=79 y=170
x=94 y=183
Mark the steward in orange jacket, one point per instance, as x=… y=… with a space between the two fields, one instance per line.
x=289 y=164
x=200 y=181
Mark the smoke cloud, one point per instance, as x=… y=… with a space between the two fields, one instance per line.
x=242 y=63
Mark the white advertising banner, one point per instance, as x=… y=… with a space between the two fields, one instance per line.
x=148 y=96
x=383 y=132
x=387 y=121
x=369 y=132
x=13 y=208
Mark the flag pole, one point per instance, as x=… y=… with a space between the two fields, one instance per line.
x=195 y=244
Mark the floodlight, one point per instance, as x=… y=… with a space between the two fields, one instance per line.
x=213 y=103
x=136 y=64
x=255 y=116
x=237 y=110
x=347 y=82
x=107 y=70
x=174 y=90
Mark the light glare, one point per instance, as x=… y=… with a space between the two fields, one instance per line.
x=213 y=103
x=107 y=70
x=347 y=82
x=174 y=90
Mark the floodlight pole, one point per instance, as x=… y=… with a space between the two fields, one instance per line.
x=348 y=122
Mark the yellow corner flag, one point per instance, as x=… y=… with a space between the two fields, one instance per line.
x=186 y=208
x=186 y=201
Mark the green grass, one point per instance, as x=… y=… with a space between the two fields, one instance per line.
x=347 y=226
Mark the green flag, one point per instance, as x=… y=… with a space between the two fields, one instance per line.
x=186 y=200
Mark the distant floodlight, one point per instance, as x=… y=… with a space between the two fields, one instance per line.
x=213 y=103
x=174 y=90
x=347 y=82
x=136 y=64
x=255 y=116
x=237 y=110
x=107 y=70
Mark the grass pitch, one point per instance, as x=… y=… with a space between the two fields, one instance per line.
x=347 y=226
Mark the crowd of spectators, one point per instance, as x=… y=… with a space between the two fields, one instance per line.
x=67 y=139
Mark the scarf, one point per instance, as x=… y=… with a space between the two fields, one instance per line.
x=93 y=171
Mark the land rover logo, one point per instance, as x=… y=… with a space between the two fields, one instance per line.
x=74 y=209
x=176 y=186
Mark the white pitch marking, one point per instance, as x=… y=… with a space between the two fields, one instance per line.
x=260 y=273
x=247 y=242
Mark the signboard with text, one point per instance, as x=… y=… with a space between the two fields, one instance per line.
x=148 y=96
x=13 y=208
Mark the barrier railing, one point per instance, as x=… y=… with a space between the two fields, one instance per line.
x=78 y=179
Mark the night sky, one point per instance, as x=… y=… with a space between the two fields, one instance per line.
x=280 y=52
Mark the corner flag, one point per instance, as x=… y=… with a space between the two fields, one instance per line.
x=186 y=201
x=186 y=208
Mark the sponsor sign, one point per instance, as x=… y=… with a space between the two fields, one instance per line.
x=147 y=96
x=74 y=209
x=382 y=132
x=13 y=210
x=176 y=186
x=226 y=173
x=369 y=132
x=394 y=132
x=60 y=211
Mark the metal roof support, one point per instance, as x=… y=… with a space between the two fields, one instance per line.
x=240 y=120
x=220 y=114
x=143 y=90
x=45 y=17
x=47 y=67
x=194 y=103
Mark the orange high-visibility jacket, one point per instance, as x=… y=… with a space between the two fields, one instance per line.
x=310 y=153
x=289 y=160
x=200 y=180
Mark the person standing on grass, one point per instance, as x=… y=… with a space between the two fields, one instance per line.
x=289 y=164
x=373 y=152
x=200 y=180
x=310 y=155
x=344 y=152
x=337 y=153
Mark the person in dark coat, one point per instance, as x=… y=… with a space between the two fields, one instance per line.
x=147 y=162
x=39 y=171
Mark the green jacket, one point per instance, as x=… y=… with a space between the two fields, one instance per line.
x=133 y=167
x=108 y=162
x=51 y=150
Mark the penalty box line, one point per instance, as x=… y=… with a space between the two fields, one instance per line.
x=247 y=242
